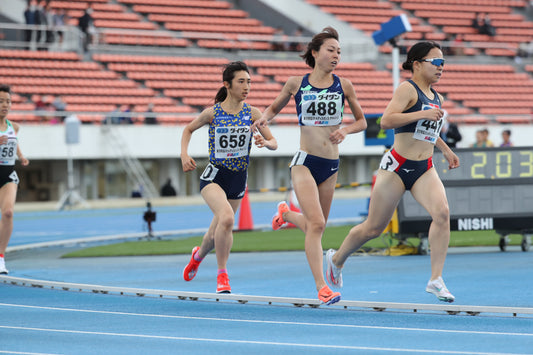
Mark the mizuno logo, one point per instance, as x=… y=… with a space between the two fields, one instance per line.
x=408 y=170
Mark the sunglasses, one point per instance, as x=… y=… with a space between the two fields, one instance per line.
x=435 y=61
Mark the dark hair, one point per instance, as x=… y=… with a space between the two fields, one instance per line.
x=316 y=43
x=507 y=131
x=227 y=76
x=5 y=88
x=417 y=52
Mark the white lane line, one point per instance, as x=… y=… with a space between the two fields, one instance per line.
x=151 y=315
x=22 y=353
x=252 y=342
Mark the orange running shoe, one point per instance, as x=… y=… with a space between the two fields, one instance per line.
x=223 y=283
x=277 y=220
x=327 y=296
x=192 y=267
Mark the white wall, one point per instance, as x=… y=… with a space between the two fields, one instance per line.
x=40 y=142
x=521 y=135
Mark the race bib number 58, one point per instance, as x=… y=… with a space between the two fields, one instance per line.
x=8 y=152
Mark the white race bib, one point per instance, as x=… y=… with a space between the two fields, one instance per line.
x=8 y=152
x=321 y=109
x=427 y=130
x=14 y=177
x=232 y=142
x=209 y=173
x=389 y=162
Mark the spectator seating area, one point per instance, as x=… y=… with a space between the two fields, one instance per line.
x=216 y=24
x=367 y=16
x=186 y=84
x=488 y=90
x=441 y=20
x=455 y=18
x=204 y=23
x=197 y=18
x=180 y=87
x=83 y=86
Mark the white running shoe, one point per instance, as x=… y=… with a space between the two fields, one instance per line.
x=3 y=270
x=333 y=273
x=438 y=288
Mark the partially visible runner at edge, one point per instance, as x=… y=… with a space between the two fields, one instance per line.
x=9 y=151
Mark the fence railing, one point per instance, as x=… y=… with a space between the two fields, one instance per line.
x=70 y=38
x=41 y=37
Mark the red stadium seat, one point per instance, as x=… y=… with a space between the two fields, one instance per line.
x=526 y=119
x=185 y=84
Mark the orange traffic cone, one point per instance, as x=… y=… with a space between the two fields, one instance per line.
x=246 y=221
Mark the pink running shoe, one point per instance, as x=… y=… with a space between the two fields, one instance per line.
x=223 y=283
x=327 y=296
x=277 y=220
x=192 y=267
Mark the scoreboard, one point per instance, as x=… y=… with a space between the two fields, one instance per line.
x=491 y=190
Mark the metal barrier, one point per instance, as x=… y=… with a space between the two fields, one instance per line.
x=268 y=300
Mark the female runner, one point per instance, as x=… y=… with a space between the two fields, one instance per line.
x=319 y=97
x=416 y=115
x=9 y=151
x=223 y=182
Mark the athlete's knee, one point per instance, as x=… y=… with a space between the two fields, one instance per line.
x=374 y=232
x=226 y=221
x=442 y=215
x=317 y=226
x=7 y=214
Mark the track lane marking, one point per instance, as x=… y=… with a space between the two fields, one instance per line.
x=151 y=315
x=252 y=342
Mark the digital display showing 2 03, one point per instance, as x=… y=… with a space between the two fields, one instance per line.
x=492 y=189
x=487 y=164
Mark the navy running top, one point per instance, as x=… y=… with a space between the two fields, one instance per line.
x=319 y=107
x=423 y=103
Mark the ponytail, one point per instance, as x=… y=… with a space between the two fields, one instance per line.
x=221 y=95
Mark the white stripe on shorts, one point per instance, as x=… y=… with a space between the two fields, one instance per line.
x=298 y=159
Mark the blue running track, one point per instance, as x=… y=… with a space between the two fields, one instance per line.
x=37 y=320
